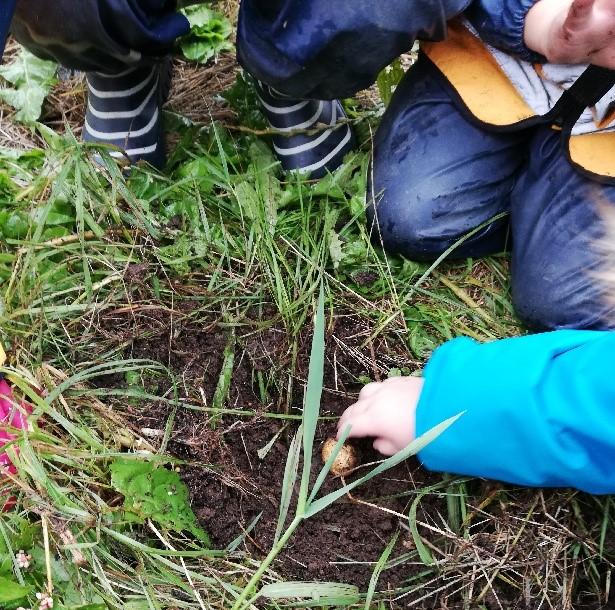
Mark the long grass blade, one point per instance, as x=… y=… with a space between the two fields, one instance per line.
x=322 y=593
x=422 y=550
x=289 y=481
x=311 y=407
x=380 y=564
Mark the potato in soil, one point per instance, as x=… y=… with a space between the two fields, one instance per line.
x=345 y=461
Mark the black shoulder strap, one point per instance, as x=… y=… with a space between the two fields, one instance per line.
x=586 y=91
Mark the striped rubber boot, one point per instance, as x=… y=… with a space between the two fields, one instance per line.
x=125 y=109
x=315 y=153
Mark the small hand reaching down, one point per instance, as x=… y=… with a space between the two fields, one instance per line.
x=385 y=410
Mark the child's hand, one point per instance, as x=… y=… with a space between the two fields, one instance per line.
x=573 y=32
x=387 y=411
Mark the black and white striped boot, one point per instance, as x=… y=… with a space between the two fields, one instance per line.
x=125 y=109
x=314 y=153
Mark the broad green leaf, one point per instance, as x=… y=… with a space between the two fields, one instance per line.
x=263 y=165
x=11 y=592
x=76 y=597
x=59 y=569
x=335 y=248
x=209 y=33
x=154 y=492
x=32 y=79
x=248 y=200
x=124 y=471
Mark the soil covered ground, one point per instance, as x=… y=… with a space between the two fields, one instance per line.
x=234 y=466
x=231 y=485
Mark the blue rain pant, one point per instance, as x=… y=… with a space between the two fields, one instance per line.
x=301 y=47
x=6 y=15
x=99 y=35
x=328 y=49
x=437 y=176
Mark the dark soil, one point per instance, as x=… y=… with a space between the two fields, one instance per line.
x=231 y=486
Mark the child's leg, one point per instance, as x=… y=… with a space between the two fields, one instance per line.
x=121 y=45
x=556 y=226
x=435 y=177
x=99 y=35
x=125 y=109
x=329 y=50
x=323 y=50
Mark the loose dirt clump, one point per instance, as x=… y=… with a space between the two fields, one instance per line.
x=231 y=486
x=456 y=538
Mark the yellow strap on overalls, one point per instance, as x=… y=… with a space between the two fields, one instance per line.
x=477 y=77
x=594 y=152
x=486 y=91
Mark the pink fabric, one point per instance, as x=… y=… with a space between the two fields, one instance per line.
x=12 y=415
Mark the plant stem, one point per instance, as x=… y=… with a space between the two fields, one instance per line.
x=267 y=561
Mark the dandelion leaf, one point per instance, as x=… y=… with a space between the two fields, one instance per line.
x=32 y=79
x=154 y=492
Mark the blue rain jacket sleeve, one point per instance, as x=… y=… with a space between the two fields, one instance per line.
x=500 y=23
x=327 y=50
x=539 y=410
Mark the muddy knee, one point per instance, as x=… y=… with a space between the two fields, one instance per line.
x=549 y=296
x=421 y=221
